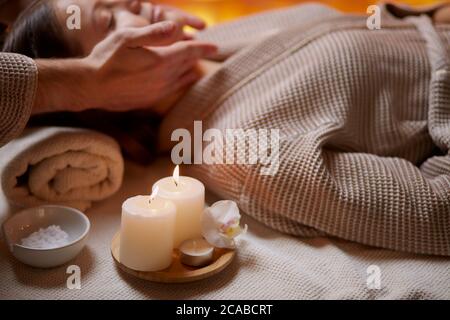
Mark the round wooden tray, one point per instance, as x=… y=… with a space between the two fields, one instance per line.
x=177 y=272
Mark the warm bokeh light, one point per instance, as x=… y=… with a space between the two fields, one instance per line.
x=214 y=11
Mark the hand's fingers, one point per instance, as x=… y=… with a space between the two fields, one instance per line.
x=195 y=22
x=187 y=50
x=187 y=79
x=187 y=36
x=161 y=33
x=189 y=65
x=187 y=18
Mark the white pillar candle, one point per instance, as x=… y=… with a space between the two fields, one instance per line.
x=196 y=252
x=147 y=233
x=188 y=195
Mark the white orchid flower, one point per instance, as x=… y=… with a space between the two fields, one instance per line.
x=221 y=224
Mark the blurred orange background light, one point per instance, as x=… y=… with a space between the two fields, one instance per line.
x=215 y=11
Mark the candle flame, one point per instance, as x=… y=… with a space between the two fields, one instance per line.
x=154 y=193
x=176 y=175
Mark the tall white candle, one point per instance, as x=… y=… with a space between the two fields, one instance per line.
x=147 y=233
x=188 y=195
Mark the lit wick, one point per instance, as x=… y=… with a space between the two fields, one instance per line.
x=176 y=175
x=153 y=195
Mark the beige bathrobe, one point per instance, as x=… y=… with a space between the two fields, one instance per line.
x=364 y=118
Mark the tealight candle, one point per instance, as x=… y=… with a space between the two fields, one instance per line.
x=147 y=233
x=188 y=195
x=196 y=252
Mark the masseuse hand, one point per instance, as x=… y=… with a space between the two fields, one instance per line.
x=181 y=18
x=124 y=72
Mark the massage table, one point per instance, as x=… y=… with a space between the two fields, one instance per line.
x=269 y=264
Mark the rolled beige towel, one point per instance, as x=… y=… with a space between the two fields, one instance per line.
x=66 y=166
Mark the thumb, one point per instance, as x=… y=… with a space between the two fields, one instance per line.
x=158 y=34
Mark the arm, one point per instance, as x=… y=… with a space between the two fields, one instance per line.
x=107 y=80
x=103 y=80
x=69 y=78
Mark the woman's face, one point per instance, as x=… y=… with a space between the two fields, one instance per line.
x=100 y=17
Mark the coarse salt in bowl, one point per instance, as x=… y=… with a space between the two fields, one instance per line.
x=46 y=236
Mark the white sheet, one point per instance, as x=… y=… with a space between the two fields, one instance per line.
x=270 y=265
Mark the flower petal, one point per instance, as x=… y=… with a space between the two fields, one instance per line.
x=220 y=224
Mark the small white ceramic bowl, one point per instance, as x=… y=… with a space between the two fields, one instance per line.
x=25 y=222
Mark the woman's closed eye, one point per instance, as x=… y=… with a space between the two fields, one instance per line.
x=106 y=19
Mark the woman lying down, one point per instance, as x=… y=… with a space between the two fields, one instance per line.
x=363 y=116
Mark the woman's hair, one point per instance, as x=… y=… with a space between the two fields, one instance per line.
x=2 y=34
x=37 y=34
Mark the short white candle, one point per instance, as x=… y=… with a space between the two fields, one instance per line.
x=188 y=195
x=147 y=233
x=196 y=252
